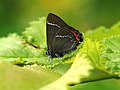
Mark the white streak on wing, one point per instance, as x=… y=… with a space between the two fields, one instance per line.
x=53 y=24
x=63 y=36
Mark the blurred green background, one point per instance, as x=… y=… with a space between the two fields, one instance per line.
x=15 y=15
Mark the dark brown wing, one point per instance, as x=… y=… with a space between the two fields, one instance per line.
x=64 y=41
x=61 y=38
x=53 y=25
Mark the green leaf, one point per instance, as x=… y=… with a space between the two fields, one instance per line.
x=87 y=67
x=103 y=32
x=36 y=33
x=13 y=49
x=81 y=71
x=93 y=49
x=27 y=78
x=112 y=52
x=113 y=43
x=92 y=61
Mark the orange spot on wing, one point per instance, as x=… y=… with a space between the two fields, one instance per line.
x=76 y=36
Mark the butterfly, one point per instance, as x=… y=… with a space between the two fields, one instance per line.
x=61 y=38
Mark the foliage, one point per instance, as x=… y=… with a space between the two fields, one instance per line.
x=97 y=58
